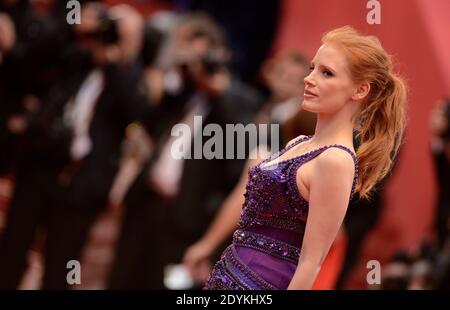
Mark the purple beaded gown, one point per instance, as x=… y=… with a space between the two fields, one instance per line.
x=266 y=246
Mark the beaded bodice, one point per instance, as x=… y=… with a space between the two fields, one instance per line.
x=272 y=198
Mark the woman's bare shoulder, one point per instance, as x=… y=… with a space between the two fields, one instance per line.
x=336 y=160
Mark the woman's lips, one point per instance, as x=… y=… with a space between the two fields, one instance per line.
x=308 y=94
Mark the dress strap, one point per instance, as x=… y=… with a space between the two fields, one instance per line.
x=300 y=160
x=298 y=141
x=285 y=149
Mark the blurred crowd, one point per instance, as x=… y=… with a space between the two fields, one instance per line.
x=429 y=266
x=86 y=115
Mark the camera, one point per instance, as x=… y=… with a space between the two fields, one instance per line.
x=213 y=61
x=107 y=31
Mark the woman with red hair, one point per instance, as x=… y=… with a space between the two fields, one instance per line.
x=295 y=200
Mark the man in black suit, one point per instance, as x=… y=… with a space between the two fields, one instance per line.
x=39 y=156
x=121 y=101
x=81 y=131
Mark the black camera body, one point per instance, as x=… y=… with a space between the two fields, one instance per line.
x=213 y=61
x=108 y=32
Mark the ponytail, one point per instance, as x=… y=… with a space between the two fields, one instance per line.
x=380 y=132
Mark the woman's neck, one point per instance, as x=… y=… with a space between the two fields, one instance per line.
x=333 y=129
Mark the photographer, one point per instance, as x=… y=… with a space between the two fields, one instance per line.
x=83 y=125
x=96 y=148
x=32 y=47
x=8 y=106
x=440 y=128
x=31 y=64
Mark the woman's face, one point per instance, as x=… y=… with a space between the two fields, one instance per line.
x=329 y=86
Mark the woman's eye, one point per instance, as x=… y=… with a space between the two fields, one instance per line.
x=311 y=68
x=327 y=73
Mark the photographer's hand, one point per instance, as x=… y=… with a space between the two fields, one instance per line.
x=7 y=33
x=214 y=84
x=128 y=25
x=89 y=19
x=130 y=28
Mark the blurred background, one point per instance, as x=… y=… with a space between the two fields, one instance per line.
x=86 y=112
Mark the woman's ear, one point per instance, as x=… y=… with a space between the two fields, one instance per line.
x=361 y=91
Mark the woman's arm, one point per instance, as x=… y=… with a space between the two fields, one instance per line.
x=330 y=187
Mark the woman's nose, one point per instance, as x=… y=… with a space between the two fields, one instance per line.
x=308 y=80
